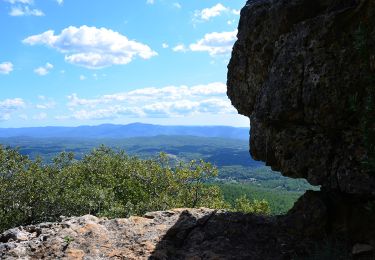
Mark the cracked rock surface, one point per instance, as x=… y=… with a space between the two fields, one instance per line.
x=175 y=234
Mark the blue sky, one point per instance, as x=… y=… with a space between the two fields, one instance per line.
x=78 y=62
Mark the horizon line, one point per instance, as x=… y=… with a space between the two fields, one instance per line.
x=112 y=124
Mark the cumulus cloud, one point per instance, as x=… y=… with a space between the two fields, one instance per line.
x=22 y=8
x=166 y=102
x=29 y=2
x=12 y=104
x=180 y=48
x=236 y=12
x=9 y=106
x=165 y=45
x=43 y=70
x=25 y=11
x=208 y=13
x=46 y=103
x=215 y=43
x=177 y=5
x=6 y=67
x=92 y=47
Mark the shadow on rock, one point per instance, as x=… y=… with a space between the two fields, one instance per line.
x=226 y=235
x=319 y=226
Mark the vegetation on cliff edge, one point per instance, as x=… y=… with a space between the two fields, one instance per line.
x=105 y=183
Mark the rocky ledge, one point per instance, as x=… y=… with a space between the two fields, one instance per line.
x=175 y=234
x=180 y=234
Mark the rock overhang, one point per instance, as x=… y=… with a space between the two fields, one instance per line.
x=294 y=70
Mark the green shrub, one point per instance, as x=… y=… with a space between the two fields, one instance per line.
x=243 y=204
x=104 y=183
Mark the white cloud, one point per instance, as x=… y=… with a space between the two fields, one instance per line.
x=45 y=106
x=166 y=102
x=47 y=103
x=208 y=13
x=25 y=11
x=74 y=101
x=82 y=77
x=177 y=5
x=6 y=67
x=60 y=2
x=215 y=43
x=150 y=2
x=9 y=106
x=165 y=45
x=105 y=113
x=236 y=12
x=92 y=47
x=29 y=2
x=4 y=117
x=180 y=48
x=44 y=70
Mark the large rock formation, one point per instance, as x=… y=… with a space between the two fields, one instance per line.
x=298 y=72
x=304 y=73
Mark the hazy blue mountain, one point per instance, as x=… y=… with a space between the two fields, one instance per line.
x=220 y=151
x=126 y=131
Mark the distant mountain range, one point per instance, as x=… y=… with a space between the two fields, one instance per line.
x=126 y=131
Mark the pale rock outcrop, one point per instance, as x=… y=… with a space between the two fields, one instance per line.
x=174 y=234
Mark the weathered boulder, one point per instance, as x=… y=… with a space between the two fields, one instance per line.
x=298 y=71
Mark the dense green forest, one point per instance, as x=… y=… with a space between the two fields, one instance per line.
x=231 y=156
x=106 y=183
x=128 y=176
x=279 y=201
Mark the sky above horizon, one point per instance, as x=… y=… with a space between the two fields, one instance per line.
x=81 y=62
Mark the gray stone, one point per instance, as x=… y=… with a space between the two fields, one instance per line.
x=362 y=249
x=294 y=71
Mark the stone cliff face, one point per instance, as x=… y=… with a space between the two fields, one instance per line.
x=304 y=73
x=298 y=73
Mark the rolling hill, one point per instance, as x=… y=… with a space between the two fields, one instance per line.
x=126 y=131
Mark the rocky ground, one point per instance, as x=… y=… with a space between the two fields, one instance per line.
x=175 y=234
